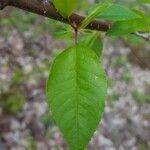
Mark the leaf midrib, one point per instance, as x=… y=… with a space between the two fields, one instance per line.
x=76 y=98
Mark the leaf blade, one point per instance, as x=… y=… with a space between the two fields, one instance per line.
x=99 y=9
x=125 y=27
x=94 y=42
x=118 y=13
x=80 y=97
x=65 y=7
x=115 y=13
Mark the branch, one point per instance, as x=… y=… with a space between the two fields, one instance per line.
x=3 y=3
x=48 y=10
x=145 y=36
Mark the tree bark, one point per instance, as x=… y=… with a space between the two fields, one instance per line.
x=48 y=10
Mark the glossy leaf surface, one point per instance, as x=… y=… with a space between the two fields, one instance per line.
x=118 y=13
x=95 y=12
x=126 y=27
x=114 y=12
x=65 y=7
x=94 y=42
x=76 y=91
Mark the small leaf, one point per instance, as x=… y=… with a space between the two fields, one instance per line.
x=65 y=7
x=63 y=34
x=94 y=42
x=144 y=1
x=99 y=9
x=117 y=13
x=126 y=27
x=76 y=91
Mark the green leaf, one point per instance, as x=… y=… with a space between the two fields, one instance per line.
x=99 y=9
x=76 y=91
x=126 y=27
x=144 y=1
x=63 y=34
x=65 y=7
x=94 y=42
x=117 y=13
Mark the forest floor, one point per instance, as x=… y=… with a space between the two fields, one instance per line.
x=26 y=124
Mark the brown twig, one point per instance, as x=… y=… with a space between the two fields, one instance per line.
x=48 y=10
x=145 y=36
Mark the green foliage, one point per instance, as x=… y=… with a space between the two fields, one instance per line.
x=144 y=1
x=19 y=77
x=113 y=97
x=47 y=120
x=99 y=9
x=141 y=97
x=12 y=101
x=124 y=20
x=76 y=92
x=22 y=21
x=117 y=12
x=31 y=143
x=126 y=27
x=65 y=7
x=127 y=76
x=133 y=39
x=120 y=61
x=77 y=85
x=66 y=33
x=110 y=82
x=94 y=42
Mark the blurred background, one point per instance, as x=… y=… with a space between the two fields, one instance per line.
x=28 y=45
